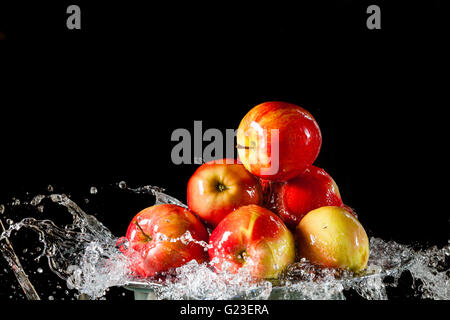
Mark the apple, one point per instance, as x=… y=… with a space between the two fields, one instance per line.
x=165 y=236
x=293 y=199
x=350 y=210
x=278 y=140
x=255 y=238
x=332 y=237
x=220 y=187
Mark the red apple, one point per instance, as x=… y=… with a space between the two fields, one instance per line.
x=278 y=140
x=293 y=199
x=165 y=236
x=255 y=238
x=220 y=187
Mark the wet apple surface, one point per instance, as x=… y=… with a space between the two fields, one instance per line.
x=220 y=187
x=332 y=237
x=164 y=236
x=255 y=238
x=293 y=199
x=278 y=140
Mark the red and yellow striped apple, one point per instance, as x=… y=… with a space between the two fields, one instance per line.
x=293 y=199
x=220 y=187
x=165 y=236
x=255 y=238
x=278 y=140
x=332 y=237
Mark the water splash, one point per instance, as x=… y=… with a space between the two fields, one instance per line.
x=13 y=261
x=199 y=281
x=161 y=197
x=304 y=281
x=84 y=253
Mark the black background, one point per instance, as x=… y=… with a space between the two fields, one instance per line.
x=97 y=106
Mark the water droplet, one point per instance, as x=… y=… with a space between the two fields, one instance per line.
x=51 y=298
x=50 y=188
x=122 y=184
x=16 y=202
x=37 y=200
x=2 y=209
x=9 y=221
x=122 y=244
x=25 y=250
x=94 y=190
x=40 y=208
x=39 y=270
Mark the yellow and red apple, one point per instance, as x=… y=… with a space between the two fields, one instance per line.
x=278 y=140
x=293 y=199
x=255 y=238
x=165 y=236
x=220 y=187
x=332 y=237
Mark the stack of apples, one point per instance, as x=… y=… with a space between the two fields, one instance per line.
x=266 y=211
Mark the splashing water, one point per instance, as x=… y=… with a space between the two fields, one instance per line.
x=305 y=281
x=85 y=255
x=14 y=262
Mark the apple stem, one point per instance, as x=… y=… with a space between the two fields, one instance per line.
x=149 y=238
x=242 y=256
x=220 y=187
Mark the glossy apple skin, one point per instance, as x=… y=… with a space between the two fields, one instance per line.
x=255 y=238
x=149 y=235
x=220 y=187
x=350 y=210
x=332 y=237
x=298 y=144
x=293 y=199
